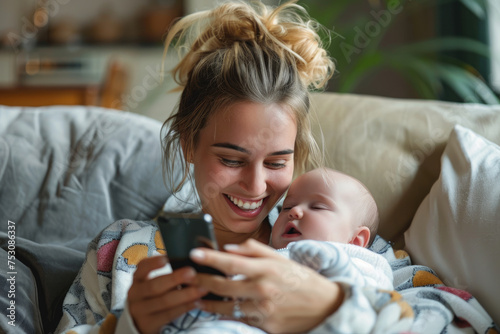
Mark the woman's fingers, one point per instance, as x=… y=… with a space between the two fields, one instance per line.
x=152 y=323
x=251 y=248
x=148 y=264
x=257 y=288
x=151 y=314
x=143 y=287
x=233 y=265
x=174 y=298
x=153 y=302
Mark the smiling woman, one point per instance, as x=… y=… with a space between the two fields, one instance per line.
x=244 y=156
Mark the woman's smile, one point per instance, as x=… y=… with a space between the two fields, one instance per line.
x=246 y=208
x=245 y=204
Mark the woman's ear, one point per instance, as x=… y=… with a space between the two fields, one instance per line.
x=361 y=237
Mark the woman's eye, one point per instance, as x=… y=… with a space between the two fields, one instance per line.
x=231 y=163
x=276 y=165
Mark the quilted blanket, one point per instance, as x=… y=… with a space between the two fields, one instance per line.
x=421 y=303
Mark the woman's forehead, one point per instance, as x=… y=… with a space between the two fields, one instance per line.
x=255 y=125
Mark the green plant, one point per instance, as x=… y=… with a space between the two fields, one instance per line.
x=356 y=46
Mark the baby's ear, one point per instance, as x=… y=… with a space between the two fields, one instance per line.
x=361 y=236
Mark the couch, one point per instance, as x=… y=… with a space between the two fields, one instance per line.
x=67 y=172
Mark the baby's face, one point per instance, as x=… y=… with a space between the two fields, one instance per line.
x=315 y=210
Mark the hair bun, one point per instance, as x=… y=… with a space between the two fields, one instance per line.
x=286 y=29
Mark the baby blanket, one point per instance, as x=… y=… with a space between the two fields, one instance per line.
x=420 y=303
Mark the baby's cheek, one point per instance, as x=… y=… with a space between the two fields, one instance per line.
x=326 y=230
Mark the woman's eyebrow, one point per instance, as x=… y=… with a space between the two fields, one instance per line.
x=232 y=146
x=244 y=150
x=283 y=152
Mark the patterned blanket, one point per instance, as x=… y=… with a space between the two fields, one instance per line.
x=437 y=308
x=420 y=302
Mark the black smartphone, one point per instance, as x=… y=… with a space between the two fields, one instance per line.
x=182 y=232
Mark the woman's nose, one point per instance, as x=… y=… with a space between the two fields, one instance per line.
x=295 y=213
x=254 y=181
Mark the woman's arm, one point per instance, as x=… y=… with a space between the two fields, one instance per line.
x=282 y=296
x=279 y=295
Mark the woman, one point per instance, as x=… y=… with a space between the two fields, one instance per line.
x=242 y=126
x=242 y=123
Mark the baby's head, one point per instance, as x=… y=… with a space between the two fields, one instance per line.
x=327 y=205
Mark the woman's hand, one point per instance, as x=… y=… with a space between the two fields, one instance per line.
x=154 y=302
x=277 y=295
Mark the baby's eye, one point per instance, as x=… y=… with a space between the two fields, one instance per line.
x=319 y=207
x=287 y=207
x=231 y=163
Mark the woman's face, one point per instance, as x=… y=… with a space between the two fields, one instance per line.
x=243 y=163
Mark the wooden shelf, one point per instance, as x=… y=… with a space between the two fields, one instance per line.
x=41 y=96
x=108 y=94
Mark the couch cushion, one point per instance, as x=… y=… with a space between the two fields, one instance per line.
x=394 y=146
x=68 y=172
x=65 y=174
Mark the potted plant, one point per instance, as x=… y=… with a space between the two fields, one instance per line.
x=358 y=29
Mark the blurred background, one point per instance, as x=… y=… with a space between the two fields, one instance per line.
x=109 y=52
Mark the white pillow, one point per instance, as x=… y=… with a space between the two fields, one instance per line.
x=456 y=229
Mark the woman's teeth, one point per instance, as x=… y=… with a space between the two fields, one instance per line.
x=243 y=204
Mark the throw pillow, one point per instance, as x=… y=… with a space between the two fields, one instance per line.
x=456 y=229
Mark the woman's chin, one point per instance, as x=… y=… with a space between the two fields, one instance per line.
x=245 y=227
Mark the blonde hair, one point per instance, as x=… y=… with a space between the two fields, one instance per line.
x=240 y=52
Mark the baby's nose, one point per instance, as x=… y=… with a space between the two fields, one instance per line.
x=295 y=212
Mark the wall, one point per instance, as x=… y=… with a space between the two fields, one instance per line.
x=146 y=94
x=142 y=61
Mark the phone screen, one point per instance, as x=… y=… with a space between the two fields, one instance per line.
x=183 y=232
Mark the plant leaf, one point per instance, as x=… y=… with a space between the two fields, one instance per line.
x=469 y=87
x=483 y=90
x=421 y=86
x=477 y=7
x=367 y=63
x=419 y=71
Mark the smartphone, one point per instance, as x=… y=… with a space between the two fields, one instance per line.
x=182 y=232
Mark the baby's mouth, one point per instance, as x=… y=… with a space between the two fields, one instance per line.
x=291 y=231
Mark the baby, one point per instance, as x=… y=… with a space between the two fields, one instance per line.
x=327 y=205
x=338 y=210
